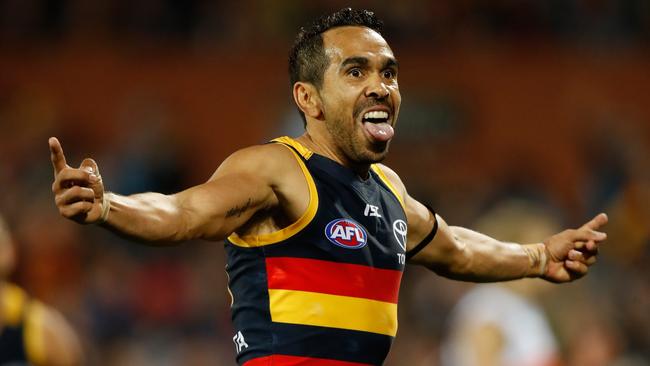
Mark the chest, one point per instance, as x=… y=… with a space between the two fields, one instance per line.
x=357 y=221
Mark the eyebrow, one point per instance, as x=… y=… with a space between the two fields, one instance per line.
x=358 y=60
x=391 y=62
x=354 y=61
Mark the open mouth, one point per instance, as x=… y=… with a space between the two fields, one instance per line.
x=375 y=117
x=376 y=124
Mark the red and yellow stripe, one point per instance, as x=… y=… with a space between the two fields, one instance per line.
x=336 y=295
x=313 y=275
x=284 y=360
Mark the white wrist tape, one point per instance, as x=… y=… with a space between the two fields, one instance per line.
x=106 y=208
x=543 y=262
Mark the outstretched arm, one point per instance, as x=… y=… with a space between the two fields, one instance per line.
x=240 y=188
x=463 y=254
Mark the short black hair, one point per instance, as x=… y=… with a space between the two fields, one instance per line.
x=307 y=58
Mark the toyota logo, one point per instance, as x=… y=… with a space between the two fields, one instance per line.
x=400 y=230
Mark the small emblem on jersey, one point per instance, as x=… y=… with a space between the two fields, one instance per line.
x=240 y=343
x=400 y=230
x=346 y=233
x=371 y=211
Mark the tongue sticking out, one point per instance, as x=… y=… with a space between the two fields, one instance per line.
x=379 y=131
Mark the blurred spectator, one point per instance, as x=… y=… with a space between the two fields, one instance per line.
x=30 y=331
x=247 y=21
x=502 y=324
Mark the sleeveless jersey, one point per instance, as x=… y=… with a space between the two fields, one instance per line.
x=18 y=339
x=322 y=291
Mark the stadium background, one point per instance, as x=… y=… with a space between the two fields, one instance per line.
x=544 y=102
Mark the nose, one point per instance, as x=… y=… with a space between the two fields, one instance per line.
x=377 y=89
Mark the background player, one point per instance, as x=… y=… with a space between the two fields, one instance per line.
x=504 y=323
x=30 y=331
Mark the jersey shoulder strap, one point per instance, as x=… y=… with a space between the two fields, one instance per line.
x=302 y=151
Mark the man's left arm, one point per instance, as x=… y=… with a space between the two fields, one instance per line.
x=463 y=254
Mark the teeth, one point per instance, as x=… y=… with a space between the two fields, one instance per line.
x=376 y=115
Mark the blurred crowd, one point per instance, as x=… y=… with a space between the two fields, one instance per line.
x=542 y=103
x=246 y=21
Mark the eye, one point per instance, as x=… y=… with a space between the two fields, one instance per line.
x=355 y=73
x=389 y=74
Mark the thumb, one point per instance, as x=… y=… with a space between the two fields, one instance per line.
x=90 y=166
x=96 y=183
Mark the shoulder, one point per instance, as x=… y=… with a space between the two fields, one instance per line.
x=419 y=218
x=393 y=178
x=263 y=161
x=258 y=157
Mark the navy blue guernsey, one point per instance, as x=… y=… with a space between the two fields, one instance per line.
x=14 y=333
x=322 y=291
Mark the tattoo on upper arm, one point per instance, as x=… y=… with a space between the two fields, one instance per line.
x=239 y=210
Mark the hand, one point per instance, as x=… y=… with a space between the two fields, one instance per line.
x=571 y=252
x=78 y=192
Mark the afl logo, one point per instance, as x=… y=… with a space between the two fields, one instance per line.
x=346 y=233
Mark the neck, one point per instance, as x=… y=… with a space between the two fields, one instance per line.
x=324 y=147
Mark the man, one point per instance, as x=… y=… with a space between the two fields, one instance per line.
x=316 y=230
x=30 y=332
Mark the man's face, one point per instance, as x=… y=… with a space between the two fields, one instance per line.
x=360 y=94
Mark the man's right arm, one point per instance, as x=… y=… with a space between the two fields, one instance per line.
x=212 y=210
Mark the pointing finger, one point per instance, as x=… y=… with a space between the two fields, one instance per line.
x=598 y=221
x=56 y=155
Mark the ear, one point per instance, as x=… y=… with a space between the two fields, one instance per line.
x=308 y=99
